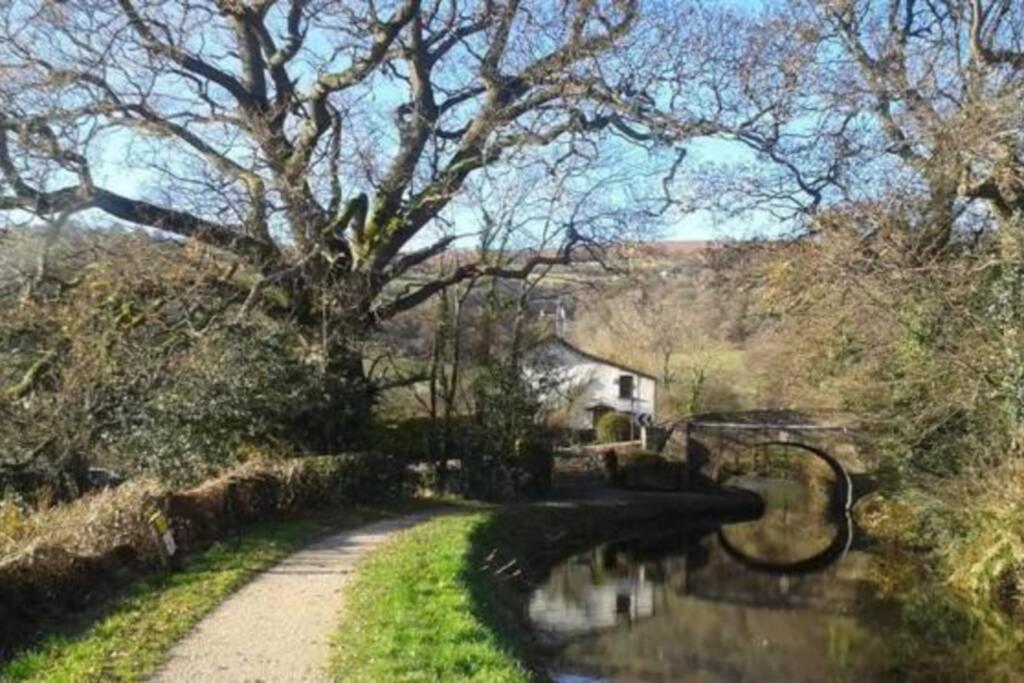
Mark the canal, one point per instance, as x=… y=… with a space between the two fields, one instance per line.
x=786 y=597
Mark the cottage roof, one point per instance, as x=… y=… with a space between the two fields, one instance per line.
x=555 y=339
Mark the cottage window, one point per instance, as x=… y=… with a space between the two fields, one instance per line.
x=625 y=386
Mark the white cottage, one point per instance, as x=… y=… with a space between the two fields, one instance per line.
x=588 y=386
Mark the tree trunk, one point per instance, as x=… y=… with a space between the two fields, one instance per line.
x=434 y=451
x=341 y=420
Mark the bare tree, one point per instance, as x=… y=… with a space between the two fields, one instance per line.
x=478 y=319
x=912 y=110
x=944 y=81
x=318 y=141
x=857 y=99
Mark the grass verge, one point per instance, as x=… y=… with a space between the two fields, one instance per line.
x=410 y=615
x=131 y=638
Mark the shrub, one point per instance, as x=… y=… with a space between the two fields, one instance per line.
x=984 y=558
x=507 y=408
x=509 y=452
x=937 y=619
x=227 y=396
x=134 y=357
x=535 y=459
x=410 y=439
x=613 y=427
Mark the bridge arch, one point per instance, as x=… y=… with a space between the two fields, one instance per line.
x=844 y=483
x=709 y=441
x=713 y=439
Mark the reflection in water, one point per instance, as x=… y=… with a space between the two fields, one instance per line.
x=696 y=604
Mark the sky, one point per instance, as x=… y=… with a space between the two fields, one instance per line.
x=707 y=225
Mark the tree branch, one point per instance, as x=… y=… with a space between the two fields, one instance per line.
x=478 y=269
x=187 y=61
x=79 y=197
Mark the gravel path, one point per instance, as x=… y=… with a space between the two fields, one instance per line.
x=279 y=626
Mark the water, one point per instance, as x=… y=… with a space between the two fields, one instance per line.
x=784 y=598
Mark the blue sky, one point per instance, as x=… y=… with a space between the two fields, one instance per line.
x=707 y=225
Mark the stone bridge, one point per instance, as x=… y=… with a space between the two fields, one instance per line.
x=712 y=443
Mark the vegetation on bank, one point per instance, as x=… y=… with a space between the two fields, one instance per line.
x=955 y=586
x=135 y=356
x=928 y=352
x=411 y=613
x=61 y=564
x=128 y=642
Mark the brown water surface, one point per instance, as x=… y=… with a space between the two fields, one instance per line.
x=783 y=598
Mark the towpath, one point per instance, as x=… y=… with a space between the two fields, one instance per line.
x=279 y=626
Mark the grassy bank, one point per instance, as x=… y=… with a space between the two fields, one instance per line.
x=129 y=640
x=411 y=615
x=447 y=601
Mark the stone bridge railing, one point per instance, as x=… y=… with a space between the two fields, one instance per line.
x=710 y=441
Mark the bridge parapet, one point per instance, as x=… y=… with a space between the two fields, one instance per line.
x=710 y=441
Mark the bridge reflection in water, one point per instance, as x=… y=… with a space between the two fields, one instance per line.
x=778 y=599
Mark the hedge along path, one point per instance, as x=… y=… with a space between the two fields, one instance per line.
x=279 y=626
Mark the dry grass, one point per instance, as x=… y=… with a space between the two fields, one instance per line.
x=113 y=518
x=987 y=563
x=92 y=525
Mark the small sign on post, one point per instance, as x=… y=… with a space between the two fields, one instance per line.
x=162 y=535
